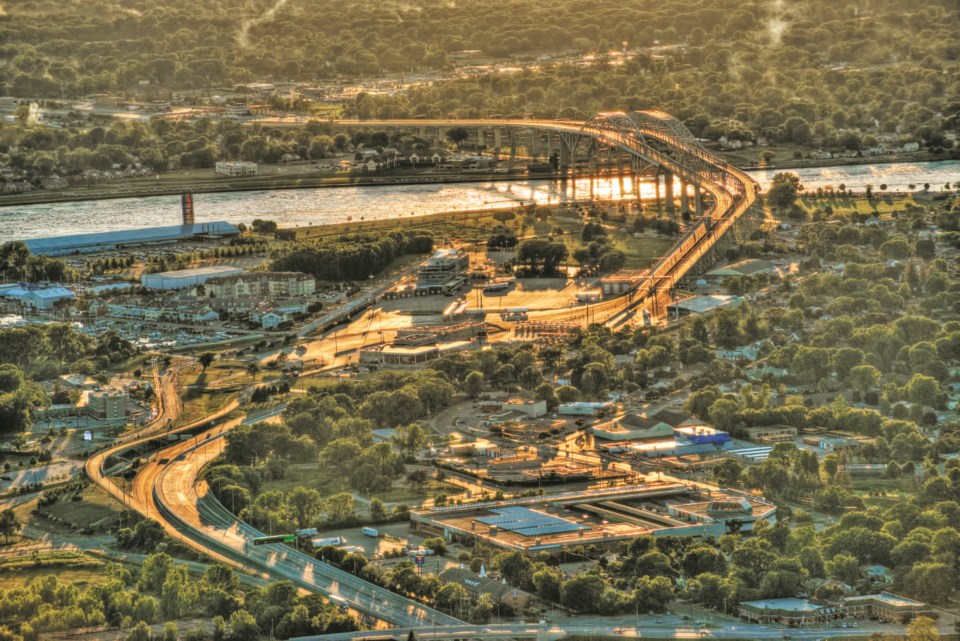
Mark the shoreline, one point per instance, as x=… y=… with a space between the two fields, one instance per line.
x=113 y=192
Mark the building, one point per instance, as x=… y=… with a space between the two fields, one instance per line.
x=477 y=584
x=36 y=297
x=885 y=606
x=702 y=304
x=172 y=311
x=408 y=356
x=604 y=517
x=184 y=278
x=235 y=168
x=261 y=284
x=444 y=267
x=749 y=267
x=102 y=241
x=108 y=404
x=583 y=408
x=789 y=611
x=771 y=433
x=533 y=409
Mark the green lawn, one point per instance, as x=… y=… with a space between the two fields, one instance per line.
x=329 y=481
x=844 y=204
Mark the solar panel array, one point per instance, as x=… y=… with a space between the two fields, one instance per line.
x=527 y=522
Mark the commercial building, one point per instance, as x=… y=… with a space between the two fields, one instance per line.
x=796 y=612
x=38 y=297
x=405 y=356
x=235 y=168
x=533 y=409
x=789 y=611
x=261 y=284
x=445 y=267
x=885 y=606
x=771 y=433
x=103 y=241
x=184 y=278
x=603 y=517
x=108 y=404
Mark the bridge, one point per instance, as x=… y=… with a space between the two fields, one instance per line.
x=652 y=144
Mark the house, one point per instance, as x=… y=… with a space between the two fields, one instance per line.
x=477 y=584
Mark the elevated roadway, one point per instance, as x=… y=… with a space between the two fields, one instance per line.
x=649 y=140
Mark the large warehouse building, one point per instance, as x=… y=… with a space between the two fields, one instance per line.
x=103 y=241
x=186 y=277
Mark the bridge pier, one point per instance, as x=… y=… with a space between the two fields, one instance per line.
x=697 y=200
x=668 y=187
x=684 y=201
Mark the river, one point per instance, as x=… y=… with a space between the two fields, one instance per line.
x=293 y=207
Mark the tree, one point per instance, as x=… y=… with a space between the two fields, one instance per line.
x=457 y=135
x=340 y=506
x=922 y=629
x=253 y=369
x=864 y=377
x=205 y=359
x=139 y=632
x=305 y=504
x=9 y=525
x=728 y=472
x=378 y=511
x=923 y=389
x=450 y=596
x=473 y=384
x=783 y=190
x=581 y=593
x=437 y=544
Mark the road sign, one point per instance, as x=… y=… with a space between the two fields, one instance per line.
x=278 y=538
x=87 y=435
x=307 y=532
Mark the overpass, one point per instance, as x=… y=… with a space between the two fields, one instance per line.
x=651 y=143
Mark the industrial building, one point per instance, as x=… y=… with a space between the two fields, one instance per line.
x=103 y=241
x=702 y=305
x=187 y=277
x=602 y=517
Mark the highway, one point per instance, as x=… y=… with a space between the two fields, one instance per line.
x=552 y=632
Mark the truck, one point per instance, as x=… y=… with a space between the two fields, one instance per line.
x=338 y=601
x=371 y=531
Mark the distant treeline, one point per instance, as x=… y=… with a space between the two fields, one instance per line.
x=353 y=257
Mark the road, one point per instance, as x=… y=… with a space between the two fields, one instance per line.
x=199 y=517
x=739 y=631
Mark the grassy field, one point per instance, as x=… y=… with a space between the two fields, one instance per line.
x=843 y=204
x=75 y=568
x=97 y=510
x=329 y=481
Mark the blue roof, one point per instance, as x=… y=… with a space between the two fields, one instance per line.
x=110 y=239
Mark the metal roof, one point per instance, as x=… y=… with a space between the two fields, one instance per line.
x=88 y=242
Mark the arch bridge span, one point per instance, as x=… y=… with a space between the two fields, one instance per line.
x=650 y=142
